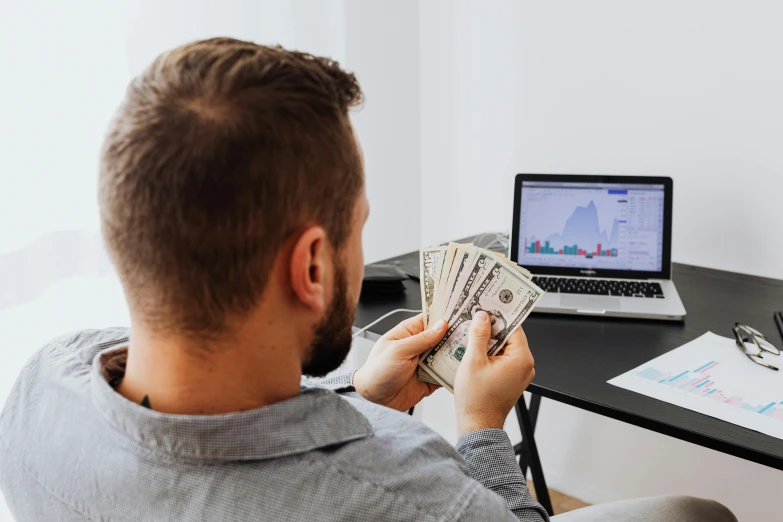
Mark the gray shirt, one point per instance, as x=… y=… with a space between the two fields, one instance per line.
x=73 y=449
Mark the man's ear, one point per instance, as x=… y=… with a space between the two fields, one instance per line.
x=310 y=264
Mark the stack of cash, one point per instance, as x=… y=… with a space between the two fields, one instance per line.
x=456 y=282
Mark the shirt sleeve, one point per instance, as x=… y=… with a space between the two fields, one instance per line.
x=490 y=457
x=340 y=382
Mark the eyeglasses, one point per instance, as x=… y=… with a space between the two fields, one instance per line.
x=753 y=344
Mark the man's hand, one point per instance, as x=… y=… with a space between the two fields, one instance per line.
x=389 y=375
x=486 y=388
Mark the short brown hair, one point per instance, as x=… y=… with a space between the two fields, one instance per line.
x=221 y=150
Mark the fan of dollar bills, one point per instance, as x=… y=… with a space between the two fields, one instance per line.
x=456 y=282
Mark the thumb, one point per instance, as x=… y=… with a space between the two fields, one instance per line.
x=478 y=337
x=423 y=341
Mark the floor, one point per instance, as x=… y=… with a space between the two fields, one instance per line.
x=561 y=502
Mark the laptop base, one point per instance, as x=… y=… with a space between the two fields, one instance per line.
x=670 y=308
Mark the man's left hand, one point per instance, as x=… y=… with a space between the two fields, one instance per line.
x=389 y=375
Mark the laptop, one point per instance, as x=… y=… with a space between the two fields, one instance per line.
x=598 y=245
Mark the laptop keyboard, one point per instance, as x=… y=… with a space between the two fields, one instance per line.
x=581 y=285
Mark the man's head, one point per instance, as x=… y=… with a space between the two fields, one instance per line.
x=231 y=177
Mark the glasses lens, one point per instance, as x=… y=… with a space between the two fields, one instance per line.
x=758 y=360
x=767 y=346
x=750 y=330
x=751 y=348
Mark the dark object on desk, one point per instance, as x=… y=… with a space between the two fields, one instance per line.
x=383 y=280
x=575 y=356
x=415 y=277
x=779 y=322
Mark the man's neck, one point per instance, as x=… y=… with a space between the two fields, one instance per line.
x=178 y=376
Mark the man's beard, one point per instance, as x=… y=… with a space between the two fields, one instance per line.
x=333 y=335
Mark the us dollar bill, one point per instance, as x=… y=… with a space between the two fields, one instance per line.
x=429 y=265
x=501 y=291
x=424 y=376
x=463 y=257
x=465 y=286
x=440 y=284
x=439 y=265
x=524 y=271
x=428 y=262
x=468 y=274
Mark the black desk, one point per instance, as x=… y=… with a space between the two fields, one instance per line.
x=576 y=356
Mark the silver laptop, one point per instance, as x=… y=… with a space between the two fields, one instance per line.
x=599 y=245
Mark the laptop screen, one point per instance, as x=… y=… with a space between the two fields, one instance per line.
x=610 y=226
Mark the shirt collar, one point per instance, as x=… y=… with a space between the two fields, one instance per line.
x=314 y=419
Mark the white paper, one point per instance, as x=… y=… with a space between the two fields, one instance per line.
x=710 y=375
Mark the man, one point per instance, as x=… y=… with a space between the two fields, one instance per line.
x=232 y=202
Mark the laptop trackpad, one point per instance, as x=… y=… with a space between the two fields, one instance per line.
x=589 y=302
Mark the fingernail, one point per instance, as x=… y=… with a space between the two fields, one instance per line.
x=481 y=316
x=440 y=325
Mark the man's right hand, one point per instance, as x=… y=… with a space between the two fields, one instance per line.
x=486 y=388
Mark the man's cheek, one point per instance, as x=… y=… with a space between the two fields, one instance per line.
x=357 y=286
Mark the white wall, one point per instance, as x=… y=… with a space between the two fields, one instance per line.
x=469 y=91
x=690 y=90
x=382 y=48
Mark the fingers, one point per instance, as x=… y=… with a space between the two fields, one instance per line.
x=517 y=345
x=422 y=341
x=408 y=327
x=427 y=389
x=517 y=340
x=478 y=337
x=517 y=352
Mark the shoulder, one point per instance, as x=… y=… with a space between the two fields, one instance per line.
x=407 y=461
x=70 y=356
x=61 y=364
x=79 y=346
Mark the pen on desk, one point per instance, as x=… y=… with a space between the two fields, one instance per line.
x=412 y=276
x=779 y=321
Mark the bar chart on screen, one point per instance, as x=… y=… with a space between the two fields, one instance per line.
x=583 y=234
x=607 y=227
x=711 y=376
